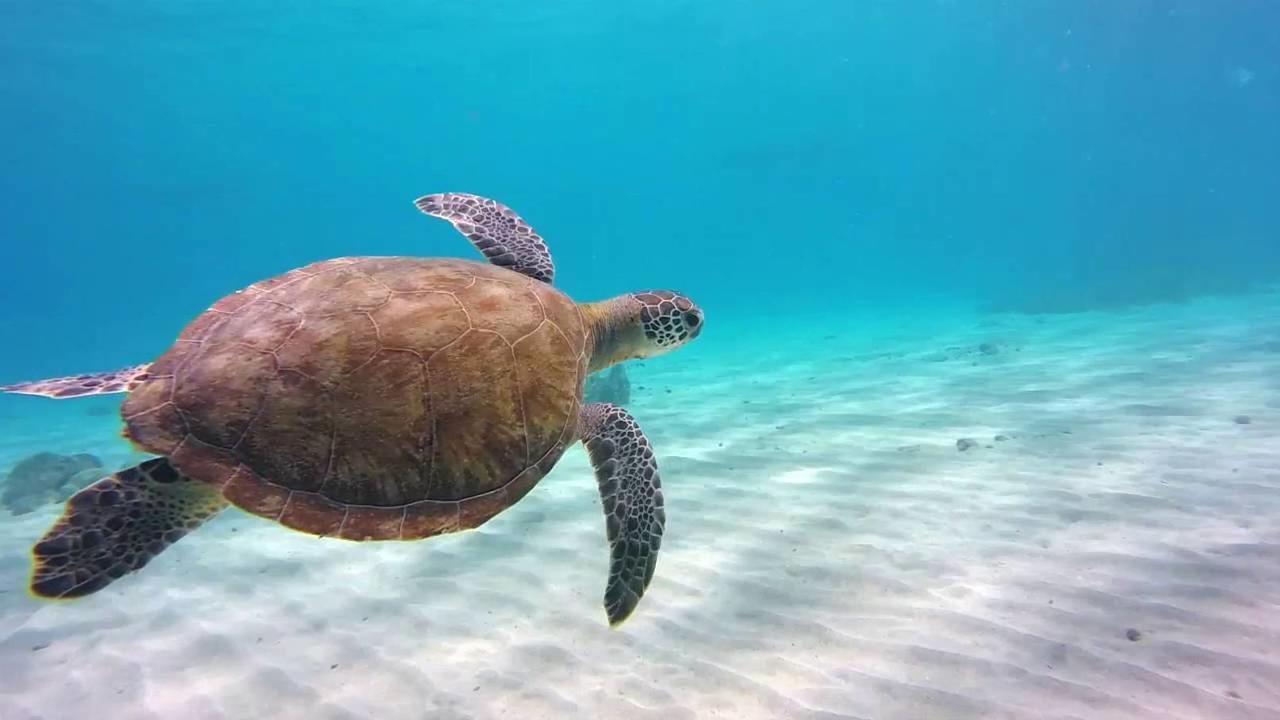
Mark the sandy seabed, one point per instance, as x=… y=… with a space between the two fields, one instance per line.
x=830 y=552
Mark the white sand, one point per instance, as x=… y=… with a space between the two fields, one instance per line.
x=830 y=554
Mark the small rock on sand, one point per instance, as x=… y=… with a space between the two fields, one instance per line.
x=47 y=478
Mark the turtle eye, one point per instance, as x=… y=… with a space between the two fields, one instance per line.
x=693 y=321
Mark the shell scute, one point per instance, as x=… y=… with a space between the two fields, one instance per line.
x=421 y=322
x=478 y=413
x=371 y=398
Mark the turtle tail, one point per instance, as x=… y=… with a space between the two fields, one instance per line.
x=116 y=525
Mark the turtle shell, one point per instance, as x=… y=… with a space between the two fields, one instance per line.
x=371 y=398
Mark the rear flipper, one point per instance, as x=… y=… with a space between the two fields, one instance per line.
x=631 y=491
x=116 y=525
x=80 y=385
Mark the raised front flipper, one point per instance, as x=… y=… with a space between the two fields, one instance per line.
x=627 y=474
x=80 y=385
x=116 y=525
x=496 y=230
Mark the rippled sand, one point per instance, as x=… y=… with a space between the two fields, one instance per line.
x=830 y=552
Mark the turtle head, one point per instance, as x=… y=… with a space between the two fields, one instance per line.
x=641 y=325
x=668 y=320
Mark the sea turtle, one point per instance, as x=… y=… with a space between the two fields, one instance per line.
x=376 y=398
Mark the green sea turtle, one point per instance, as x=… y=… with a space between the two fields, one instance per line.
x=377 y=398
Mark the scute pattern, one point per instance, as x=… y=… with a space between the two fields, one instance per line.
x=511 y=313
x=328 y=349
x=117 y=525
x=400 y=326
x=496 y=230
x=668 y=317
x=381 y=450
x=631 y=491
x=218 y=418
x=291 y=417
x=372 y=398
x=265 y=329
x=472 y=445
x=541 y=357
x=344 y=289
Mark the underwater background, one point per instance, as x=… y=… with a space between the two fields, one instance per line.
x=817 y=158
x=990 y=378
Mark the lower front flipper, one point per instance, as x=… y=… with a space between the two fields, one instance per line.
x=631 y=491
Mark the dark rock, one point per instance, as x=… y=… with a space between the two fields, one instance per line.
x=611 y=387
x=47 y=478
x=965 y=443
x=1001 y=438
x=1133 y=635
x=1243 y=419
x=987 y=348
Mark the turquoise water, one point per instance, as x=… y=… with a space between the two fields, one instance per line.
x=909 y=224
x=809 y=157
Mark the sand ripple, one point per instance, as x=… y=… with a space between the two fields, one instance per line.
x=1115 y=554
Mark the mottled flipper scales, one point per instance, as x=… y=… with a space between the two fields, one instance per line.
x=80 y=385
x=116 y=525
x=632 y=494
x=496 y=230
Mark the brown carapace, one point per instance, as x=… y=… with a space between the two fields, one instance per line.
x=371 y=398
x=377 y=398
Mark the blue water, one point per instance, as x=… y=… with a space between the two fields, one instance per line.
x=1046 y=228
x=808 y=156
